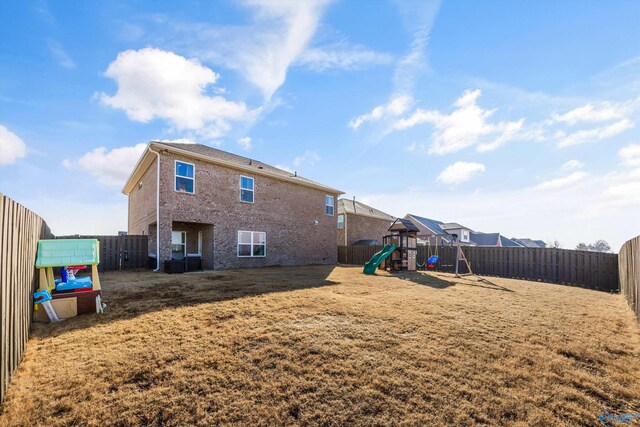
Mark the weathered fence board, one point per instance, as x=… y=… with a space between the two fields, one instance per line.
x=591 y=270
x=119 y=252
x=20 y=230
x=629 y=265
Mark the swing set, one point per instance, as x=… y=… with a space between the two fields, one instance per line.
x=432 y=257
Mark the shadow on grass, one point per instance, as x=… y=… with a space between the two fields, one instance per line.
x=438 y=282
x=129 y=294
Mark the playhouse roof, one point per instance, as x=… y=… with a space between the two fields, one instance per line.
x=402 y=224
x=64 y=252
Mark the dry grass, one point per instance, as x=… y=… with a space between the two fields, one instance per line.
x=330 y=346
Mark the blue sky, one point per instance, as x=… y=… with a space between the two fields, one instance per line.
x=518 y=117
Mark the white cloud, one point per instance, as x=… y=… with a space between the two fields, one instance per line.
x=460 y=172
x=603 y=112
x=153 y=83
x=395 y=107
x=565 y=181
x=572 y=164
x=341 y=56
x=245 y=143
x=309 y=157
x=110 y=167
x=630 y=155
x=12 y=147
x=467 y=125
x=596 y=134
x=60 y=55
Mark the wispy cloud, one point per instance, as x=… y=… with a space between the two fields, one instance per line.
x=341 y=55
x=467 y=125
x=395 y=107
x=59 y=54
x=562 y=182
x=460 y=172
x=245 y=142
x=595 y=134
x=590 y=113
x=309 y=157
x=630 y=155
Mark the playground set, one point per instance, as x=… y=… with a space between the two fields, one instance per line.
x=399 y=251
x=70 y=295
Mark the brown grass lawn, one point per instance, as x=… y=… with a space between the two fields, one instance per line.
x=330 y=346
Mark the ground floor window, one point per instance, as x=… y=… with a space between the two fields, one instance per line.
x=341 y=221
x=178 y=244
x=252 y=244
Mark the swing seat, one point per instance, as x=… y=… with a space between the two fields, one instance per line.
x=433 y=259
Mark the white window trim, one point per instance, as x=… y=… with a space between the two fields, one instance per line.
x=175 y=175
x=252 y=255
x=252 y=191
x=333 y=205
x=184 y=245
x=340 y=216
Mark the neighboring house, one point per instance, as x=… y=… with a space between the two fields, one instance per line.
x=492 y=240
x=361 y=224
x=230 y=210
x=431 y=232
x=529 y=243
x=437 y=232
x=462 y=233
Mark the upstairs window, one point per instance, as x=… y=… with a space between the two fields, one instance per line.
x=246 y=189
x=328 y=208
x=252 y=244
x=340 y=222
x=185 y=181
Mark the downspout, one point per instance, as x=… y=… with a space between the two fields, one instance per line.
x=157 y=210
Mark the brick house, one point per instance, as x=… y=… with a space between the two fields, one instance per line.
x=358 y=222
x=232 y=211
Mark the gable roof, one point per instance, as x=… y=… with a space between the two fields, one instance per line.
x=358 y=208
x=431 y=224
x=528 y=243
x=485 y=239
x=508 y=243
x=219 y=157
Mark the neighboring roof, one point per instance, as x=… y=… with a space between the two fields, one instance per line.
x=528 y=243
x=431 y=224
x=65 y=252
x=358 y=208
x=223 y=158
x=508 y=243
x=367 y=243
x=540 y=243
x=485 y=239
x=402 y=224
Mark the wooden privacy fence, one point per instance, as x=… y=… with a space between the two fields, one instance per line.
x=20 y=231
x=629 y=265
x=119 y=252
x=592 y=270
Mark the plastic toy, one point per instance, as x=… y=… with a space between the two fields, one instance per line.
x=76 y=294
x=44 y=298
